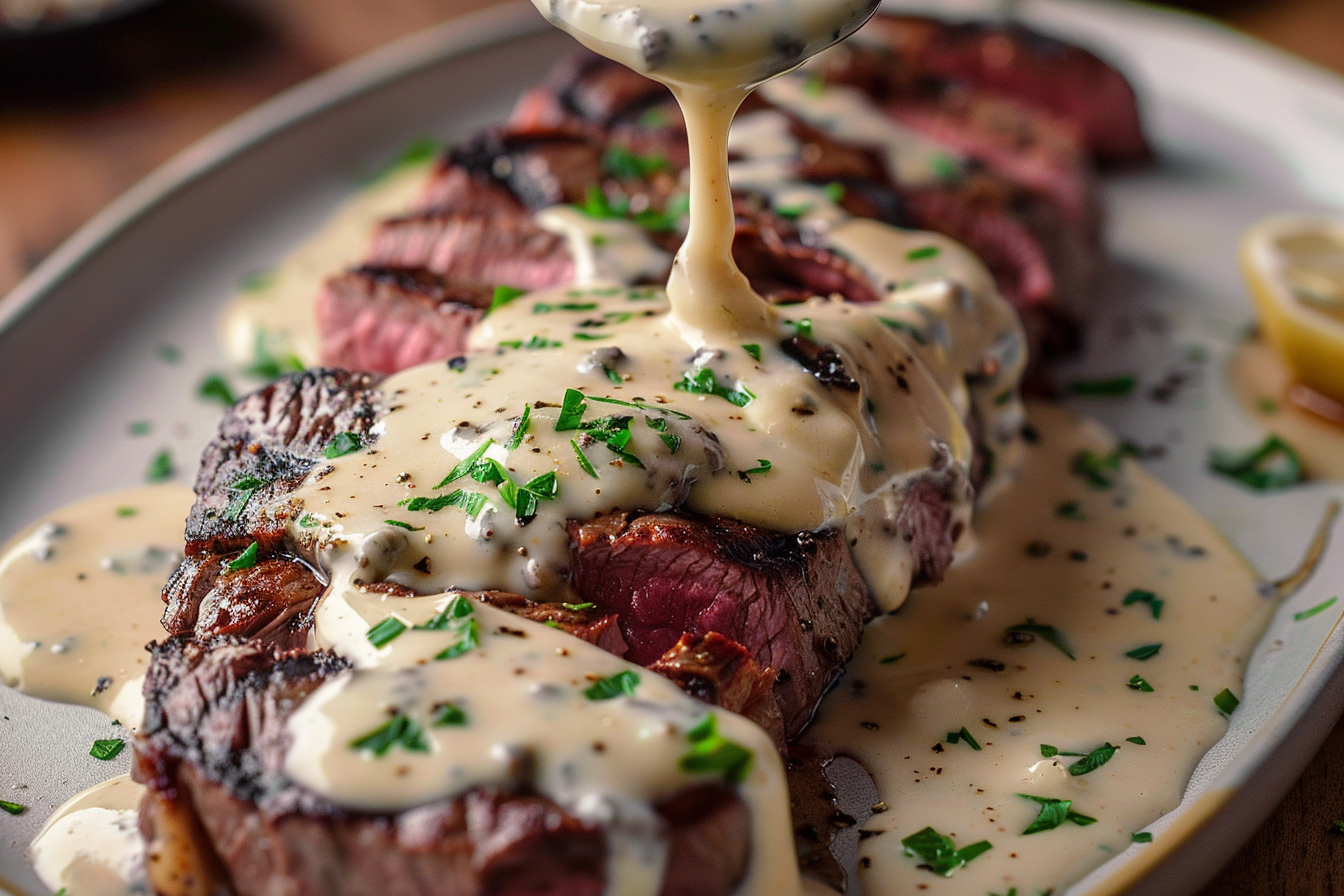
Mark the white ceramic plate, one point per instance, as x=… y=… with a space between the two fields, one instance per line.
x=1242 y=131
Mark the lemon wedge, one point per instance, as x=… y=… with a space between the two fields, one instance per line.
x=1294 y=269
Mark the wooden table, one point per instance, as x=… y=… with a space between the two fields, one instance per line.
x=73 y=137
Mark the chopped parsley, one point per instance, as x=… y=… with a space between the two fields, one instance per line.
x=308 y=521
x=138 y=427
x=456 y=617
x=584 y=462
x=1312 y=611
x=547 y=308
x=712 y=752
x=386 y=632
x=473 y=465
x=596 y=204
x=214 y=387
x=246 y=560
x=160 y=467
x=402 y=524
x=399 y=731
x=577 y=608
x=1070 y=510
x=622 y=684
x=814 y=84
x=523 y=499
x=1137 y=740
x=520 y=429
x=502 y=296
x=446 y=715
x=1101 y=471
x=1052 y=813
x=762 y=466
x=620 y=162
x=939 y=853
x=922 y=253
x=107 y=749
x=1047 y=632
x=1093 y=760
x=243 y=490
x=802 y=328
x=1146 y=652
x=888 y=660
x=1141 y=837
x=169 y=354
x=571 y=411
x=267 y=366
x=752 y=349
x=341 y=444
x=1272 y=464
x=532 y=344
x=963 y=735
x=1111 y=387
x=127 y=511
x=1226 y=701
x=901 y=326
x=835 y=191
x=1139 y=683
x=1140 y=596
x=702 y=381
x=12 y=808
x=470 y=503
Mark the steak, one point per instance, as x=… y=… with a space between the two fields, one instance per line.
x=211 y=752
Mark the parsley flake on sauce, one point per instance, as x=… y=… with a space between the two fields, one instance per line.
x=1146 y=652
x=939 y=853
x=1093 y=760
x=712 y=752
x=1140 y=596
x=963 y=735
x=1139 y=683
x=214 y=388
x=341 y=444
x=107 y=749
x=520 y=429
x=386 y=632
x=1226 y=701
x=1052 y=813
x=1141 y=837
x=622 y=684
x=1270 y=465
x=1137 y=740
x=447 y=715
x=1013 y=635
x=922 y=253
x=502 y=296
x=12 y=808
x=1110 y=387
x=160 y=467
x=399 y=731
x=1101 y=471
x=1312 y=611
x=702 y=381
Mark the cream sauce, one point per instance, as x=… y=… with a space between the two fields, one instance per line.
x=1054 y=550
x=1264 y=386
x=80 y=597
x=519 y=716
x=272 y=314
x=91 y=846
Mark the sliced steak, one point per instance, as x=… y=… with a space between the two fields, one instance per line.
x=385 y=319
x=211 y=751
x=496 y=251
x=796 y=603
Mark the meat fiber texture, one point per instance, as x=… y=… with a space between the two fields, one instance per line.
x=1030 y=114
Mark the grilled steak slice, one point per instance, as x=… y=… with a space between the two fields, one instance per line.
x=385 y=319
x=796 y=603
x=211 y=752
x=1034 y=70
x=497 y=250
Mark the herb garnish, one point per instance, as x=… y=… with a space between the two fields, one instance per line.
x=620 y=162
x=1137 y=740
x=1312 y=611
x=532 y=344
x=622 y=684
x=1226 y=701
x=1093 y=760
x=963 y=735
x=702 y=381
x=751 y=348
x=12 y=808
x=1070 y=510
x=469 y=502
x=910 y=330
x=456 y=617
x=268 y=366
x=576 y=608
x=922 y=253
x=1140 y=596
x=160 y=467
x=1053 y=813
x=107 y=749
x=446 y=715
x=1141 y=837
x=762 y=466
x=571 y=411
x=1139 y=683
x=243 y=490
x=801 y=328
x=1101 y=470
x=246 y=560
x=888 y=660
x=940 y=853
x=1047 y=632
x=127 y=511
x=502 y=296
x=547 y=308
x=1111 y=387
x=520 y=429
x=402 y=524
x=1270 y=465
x=138 y=427
x=214 y=387
x=712 y=752
x=386 y=632
x=399 y=731
x=584 y=462
x=341 y=444
x=1146 y=652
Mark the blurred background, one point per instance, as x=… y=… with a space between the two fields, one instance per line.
x=86 y=111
